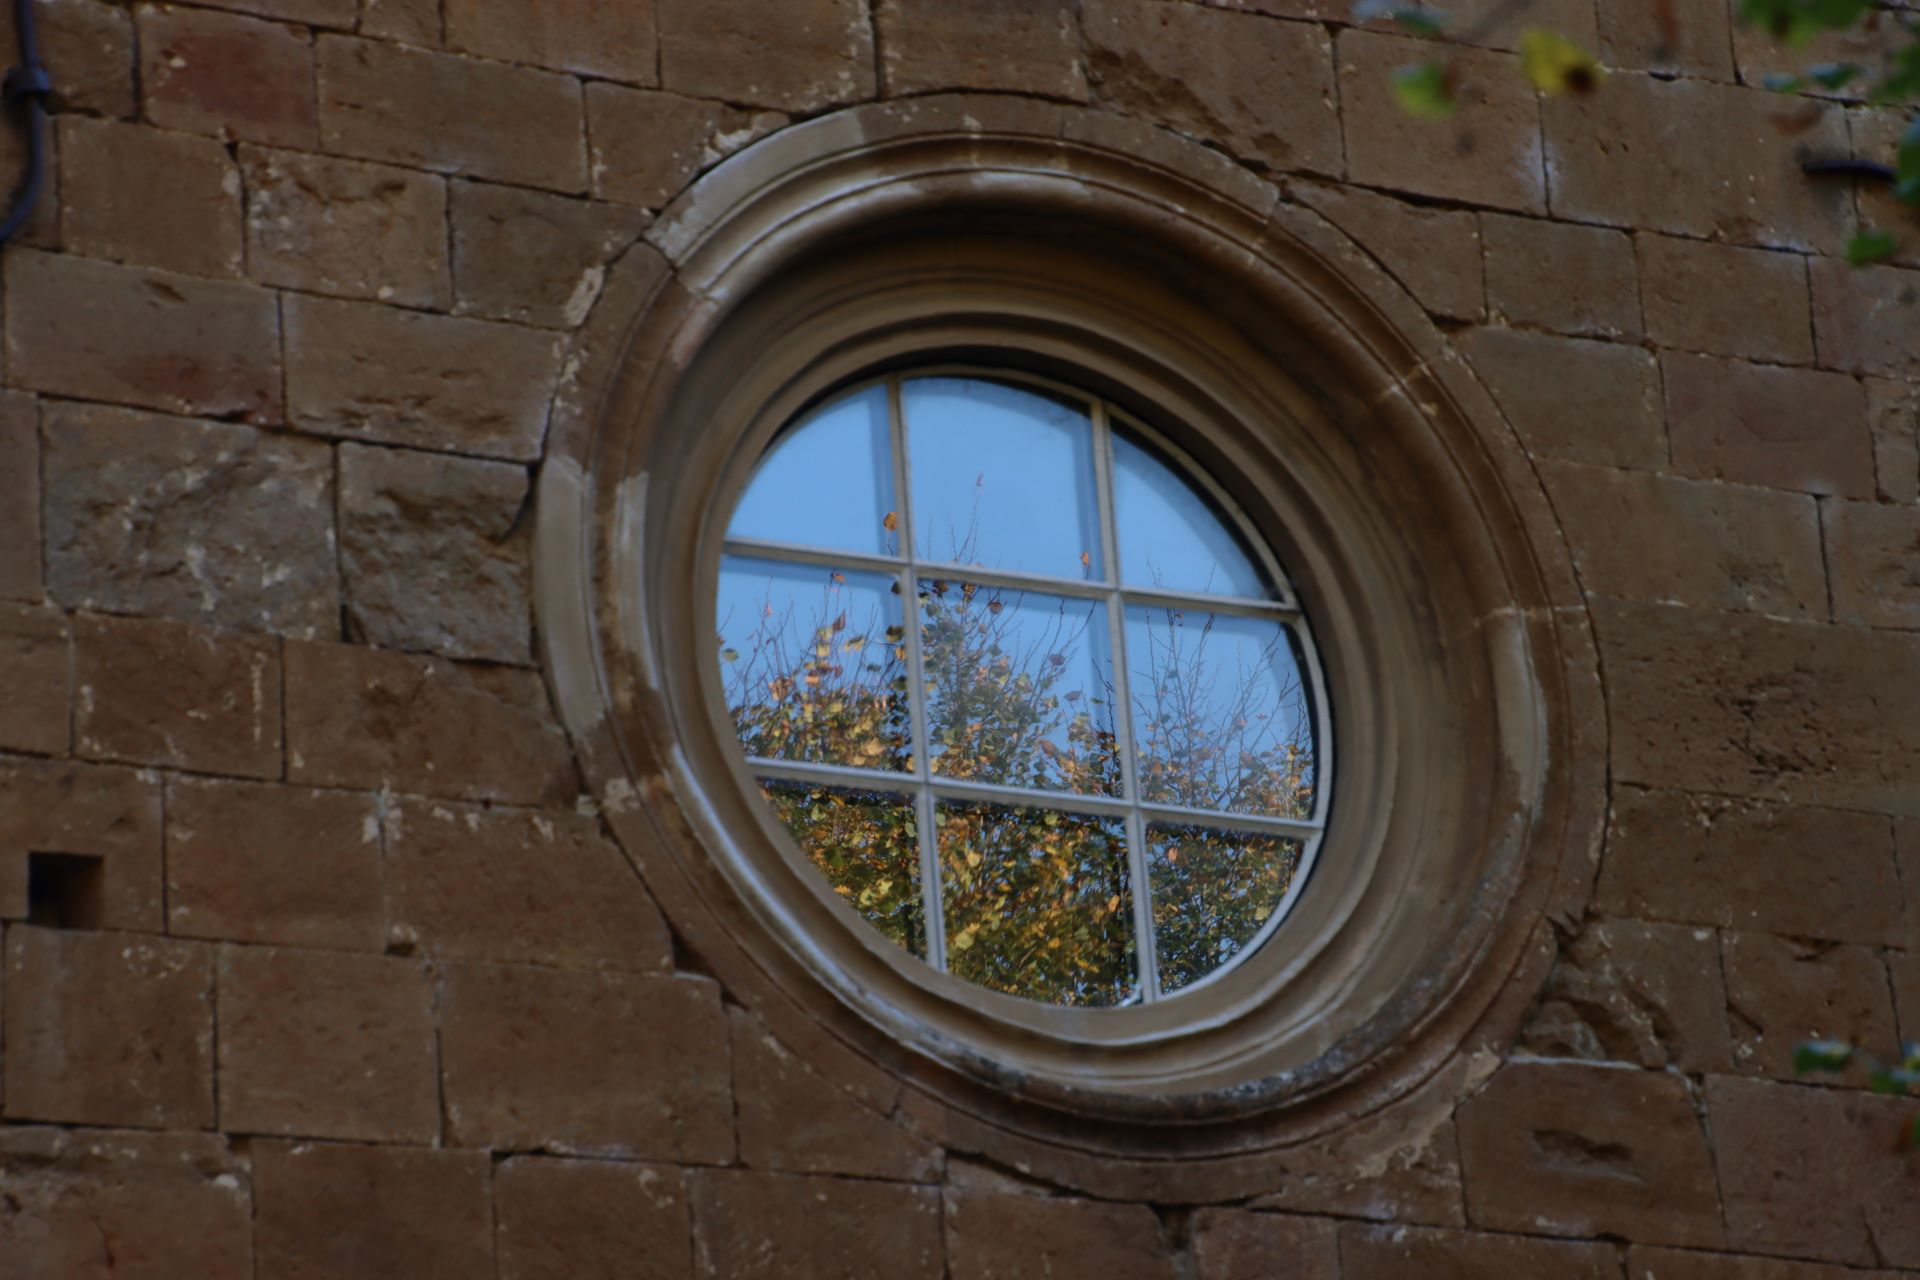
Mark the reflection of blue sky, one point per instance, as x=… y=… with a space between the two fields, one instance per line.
x=1216 y=700
x=1001 y=477
x=828 y=481
x=1170 y=537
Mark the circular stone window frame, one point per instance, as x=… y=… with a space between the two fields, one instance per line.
x=1146 y=269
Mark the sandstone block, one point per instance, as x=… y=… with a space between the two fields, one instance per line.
x=326 y=1044
x=1906 y=840
x=1650 y=537
x=1656 y=35
x=1752 y=707
x=337 y=14
x=591 y=37
x=1863 y=318
x=806 y=55
x=403 y=377
x=1904 y=969
x=1013 y=46
x=793 y=1121
x=1797 y=429
x=1614 y=390
x=1726 y=301
x=1489 y=154
x=435 y=553
x=758 y=1226
x=19 y=497
x=108 y=1029
x=383 y=1213
x=1790 y=1157
x=237 y=78
x=1401 y=1164
x=34 y=686
x=1488 y=23
x=91 y=1206
x=1876 y=134
x=98 y=331
x=1575 y=1150
x=997 y=1237
x=408 y=21
x=1781 y=992
x=1708 y=860
x=517 y=887
x=361 y=718
x=1758 y=53
x=1435 y=253
x=535 y=258
x=88 y=49
x=1893 y=415
x=345 y=227
x=591 y=1220
x=1229 y=1244
x=165 y=693
x=1211 y=74
x=1875 y=554
x=1693 y=158
x=1648 y=994
x=451 y=114
x=84 y=811
x=1684 y=1264
x=647 y=145
x=1399 y=1253
x=586 y=1063
x=209 y=522
x=273 y=864
x=1555 y=275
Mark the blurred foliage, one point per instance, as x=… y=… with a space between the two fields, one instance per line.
x=1897 y=1079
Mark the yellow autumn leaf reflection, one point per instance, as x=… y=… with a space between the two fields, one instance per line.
x=1213 y=891
x=866 y=844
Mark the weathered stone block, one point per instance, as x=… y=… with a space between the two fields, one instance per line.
x=1401 y=1164
x=1575 y=1150
x=273 y=864
x=1685 y=1264
x=1904 y=969
x=1875 y=553
x=86 y=811
x=1781 y=993
x=357 y=717
x=408 y=21
x=1399 y=1253
x=316 y=13
x=346 y=227
x=1753 y=707
x=536 y=258
x=88 y=49
x=1815 y=1173
x=1660 y=35
x=35 y=662
x=108 y=1029
x=1648 y=994
x=1488 y=155
x=165 y=693
x=487 y=884
x=591 y=1220
x=759 y=1226
x=1708 y=860
x=1726 y=301
x=1555 y=275
x=94 y=1206
x=1797 y=429
x=434 y=552
x=97 y=331
x=1229 y=1244
x=647 y=145
x=403 y=377
x=997 y=1237
x=586 y=1063
x=1863 y=318
x=327 y=1044
x=237 y=78
x=208 y=522
x=1893 y=415
x=19 y=497
x=1613 y=391
x=324 y=1210
x=1012 y=46
x=806 y=55
x=591 y=37
x=1211 y=74
x=1435 y=253
x=793 y=1121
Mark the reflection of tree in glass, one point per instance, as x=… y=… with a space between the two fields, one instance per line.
x=867 y=845
x=1212 y=892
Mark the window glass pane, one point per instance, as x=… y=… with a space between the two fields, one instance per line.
x=1002 y=477
x=1019 y=687
x=827 y=481
x=1212 y=892
x=813 y=663
x=1220 y=712
x=1171 y=536
x=867 y=845
x=1038 y=903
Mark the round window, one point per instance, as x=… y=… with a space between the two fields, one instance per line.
x=1023 y=686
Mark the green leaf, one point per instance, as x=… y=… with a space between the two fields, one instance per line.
x=1782 y=82
x=1869 y=247
x=1418 y=21
x=1835 y=75
x=1557 y=65
x=1425 y=90
x=1821 y=1055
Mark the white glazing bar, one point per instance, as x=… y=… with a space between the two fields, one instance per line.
x=916 y=686
x=1144 y=951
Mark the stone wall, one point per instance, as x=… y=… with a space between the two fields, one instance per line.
x=318 y=963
